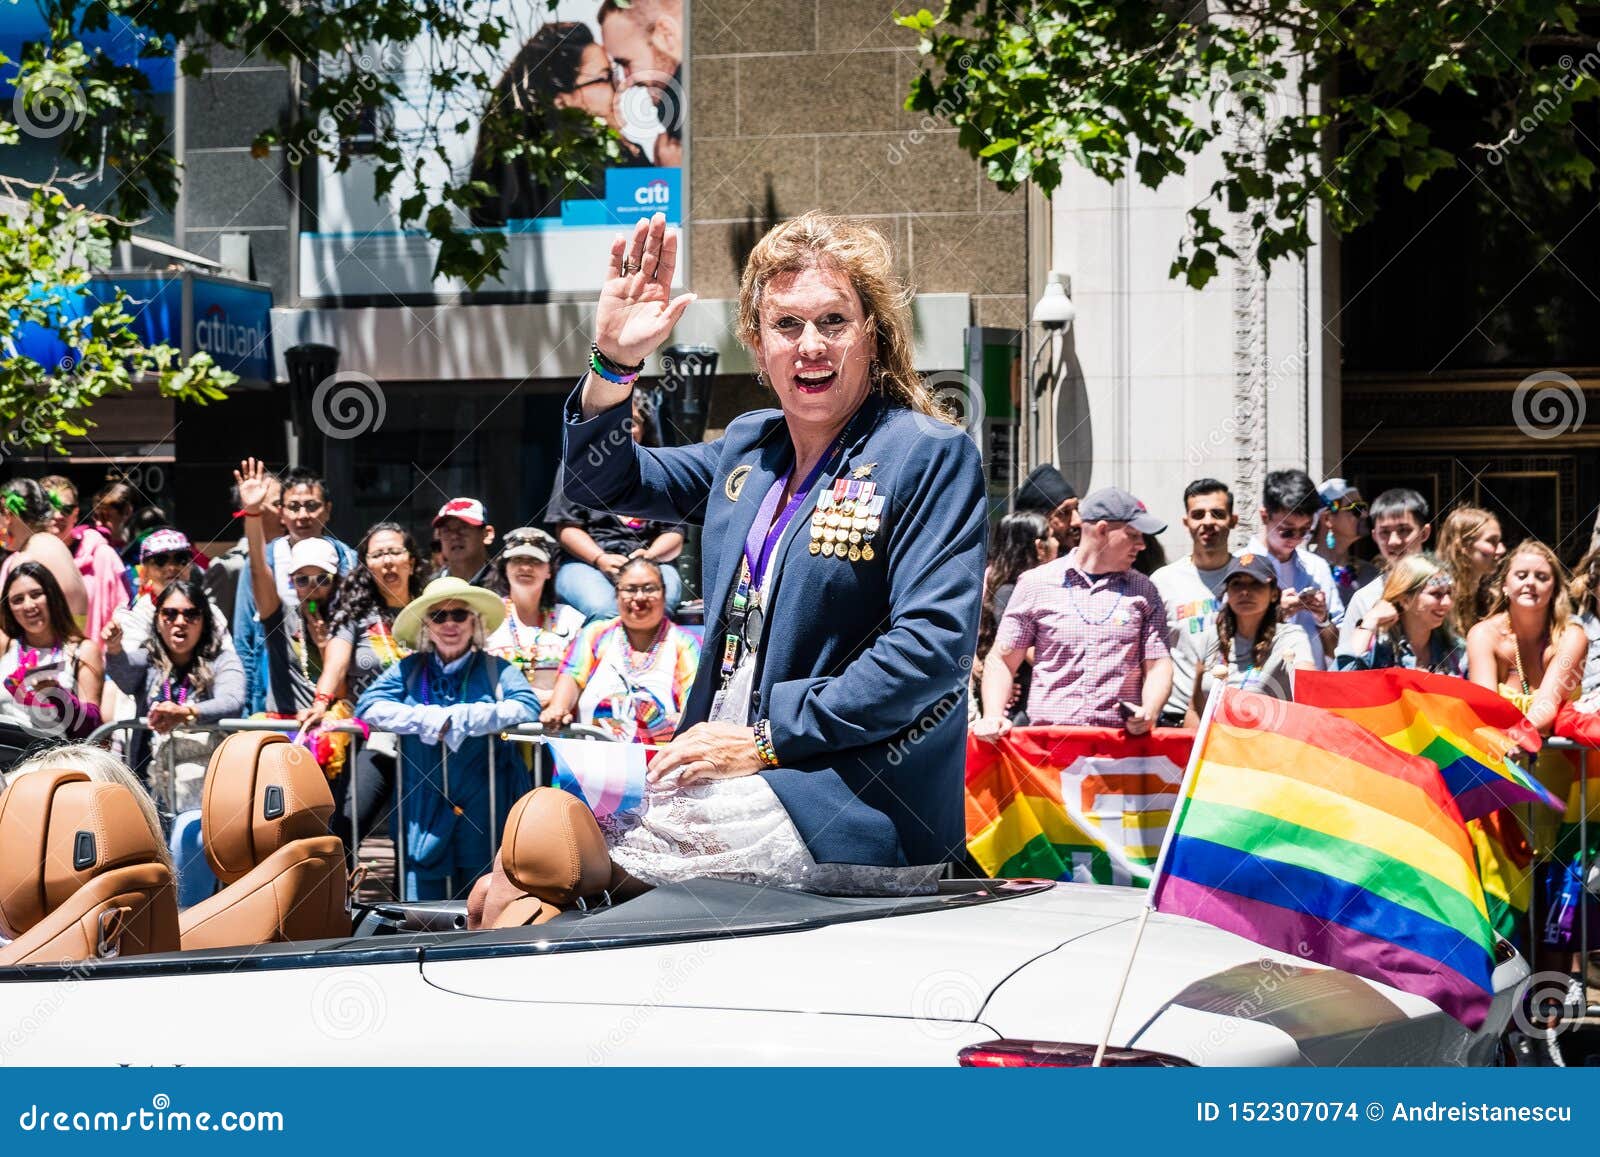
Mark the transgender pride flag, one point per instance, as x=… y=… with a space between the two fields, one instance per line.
x=608 y=776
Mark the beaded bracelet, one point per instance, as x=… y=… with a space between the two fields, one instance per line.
x=612 y=371
x=764 y=748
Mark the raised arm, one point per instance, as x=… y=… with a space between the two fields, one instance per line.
x=254 y=487
x=636 y=310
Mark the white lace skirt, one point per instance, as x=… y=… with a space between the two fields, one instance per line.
x=737 y=829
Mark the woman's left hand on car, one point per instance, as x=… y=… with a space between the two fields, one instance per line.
x=707 y=751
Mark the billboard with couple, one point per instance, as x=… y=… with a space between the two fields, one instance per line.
x=619 y=64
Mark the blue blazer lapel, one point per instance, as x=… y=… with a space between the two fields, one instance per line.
x=766 y=462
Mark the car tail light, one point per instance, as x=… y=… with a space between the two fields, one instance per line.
x=1049 y=1054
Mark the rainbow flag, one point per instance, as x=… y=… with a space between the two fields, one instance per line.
x=1469 y=731
x=1089 y=804
x=1307 y=833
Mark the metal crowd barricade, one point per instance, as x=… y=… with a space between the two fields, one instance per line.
x=1584 y=864
x=530 y=733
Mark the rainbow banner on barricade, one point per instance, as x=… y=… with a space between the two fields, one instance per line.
x=1468 y=730
x=1089 y=804
x=1304 y=832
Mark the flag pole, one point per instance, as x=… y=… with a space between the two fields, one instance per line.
x=1155 y=875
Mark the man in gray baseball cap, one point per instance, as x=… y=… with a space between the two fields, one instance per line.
x=1098 y=629
x=1113 y=504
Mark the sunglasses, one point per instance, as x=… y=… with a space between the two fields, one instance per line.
x=453 y=615
x=1340 y=505
x=310 y=581
x=166 y=558
x=172 y=615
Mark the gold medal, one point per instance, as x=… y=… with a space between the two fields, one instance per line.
x=816 y=546
x=855 y=554
x=866 y=552
x=827 y=549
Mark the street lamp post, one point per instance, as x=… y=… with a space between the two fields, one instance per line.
x=685 y=403
x=1054 y=313
x=309 y=365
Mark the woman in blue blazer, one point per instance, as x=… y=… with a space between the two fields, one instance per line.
x=823 y=743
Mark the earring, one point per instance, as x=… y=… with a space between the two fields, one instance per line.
x=1329 y=540
x=760 y=381
x=875 y=375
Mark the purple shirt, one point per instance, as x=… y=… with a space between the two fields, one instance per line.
x=1090 y=639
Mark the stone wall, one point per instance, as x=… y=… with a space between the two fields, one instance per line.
x=798 y=104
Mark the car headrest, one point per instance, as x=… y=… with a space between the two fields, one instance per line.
x=553 y=848
x=58 y=831
x=262 y=793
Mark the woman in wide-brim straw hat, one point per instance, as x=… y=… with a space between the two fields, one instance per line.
x=823 y=742
x=449 y=694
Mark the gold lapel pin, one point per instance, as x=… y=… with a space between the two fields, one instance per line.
x=735 y=482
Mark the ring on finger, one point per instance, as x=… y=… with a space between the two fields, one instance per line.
x=629 y=266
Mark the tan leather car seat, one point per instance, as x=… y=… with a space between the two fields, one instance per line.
x=81 y=875
x=553 y=851
x=264 y=823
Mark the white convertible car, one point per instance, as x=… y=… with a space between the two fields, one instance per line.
x=718 y=973
x=274 y=968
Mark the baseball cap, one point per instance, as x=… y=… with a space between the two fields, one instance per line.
x=1112 y=503
x=314 y=552
x=163 y=541
x=1255 y=566
x=468 y=510
x=1334 y=489
x=528 y=542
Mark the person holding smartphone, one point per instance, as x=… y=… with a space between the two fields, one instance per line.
x=1289 y=507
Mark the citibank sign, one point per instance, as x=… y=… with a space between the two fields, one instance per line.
x=230 y=324
x=220 y=337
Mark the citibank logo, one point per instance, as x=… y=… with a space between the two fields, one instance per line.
x=219 y=337
x=657 y=192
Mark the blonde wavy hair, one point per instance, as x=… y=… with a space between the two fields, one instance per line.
x=1559 y=613
x=863 y=256
x=1470 y=596
x=1404 y=579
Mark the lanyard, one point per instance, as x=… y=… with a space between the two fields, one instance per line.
x=745 y=620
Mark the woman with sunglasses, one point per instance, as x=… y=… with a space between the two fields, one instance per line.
x=1341 y=524
x=165 y=557
x=182 y=674
x=538 y=629
x=50 y=675
x=449 y=700
x=629 y=675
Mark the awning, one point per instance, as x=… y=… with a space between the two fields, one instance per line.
x=194 y=312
